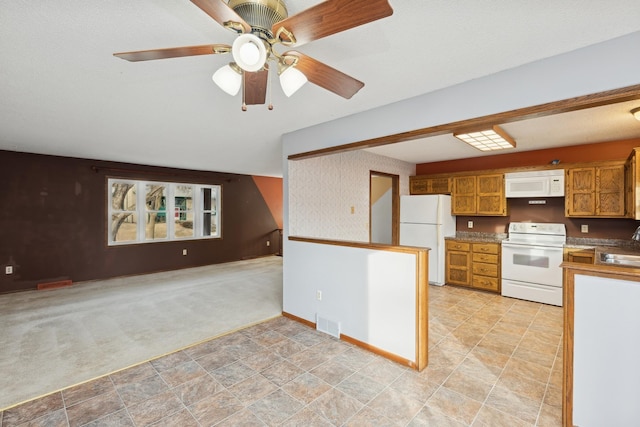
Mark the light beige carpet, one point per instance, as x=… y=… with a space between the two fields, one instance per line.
x=53 y=339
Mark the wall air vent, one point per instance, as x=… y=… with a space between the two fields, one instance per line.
x=327 y=326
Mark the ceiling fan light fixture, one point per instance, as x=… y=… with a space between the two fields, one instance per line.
x=488 y=140
x=249 y=52
x=636 y=113
x=291 y=79
x=228 y=79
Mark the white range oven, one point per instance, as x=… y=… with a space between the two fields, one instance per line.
x=531 y=258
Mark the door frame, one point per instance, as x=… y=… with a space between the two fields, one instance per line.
x=395 y=205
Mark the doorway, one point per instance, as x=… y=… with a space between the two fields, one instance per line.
x=384 y=208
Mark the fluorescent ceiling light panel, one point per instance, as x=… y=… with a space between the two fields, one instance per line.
x=487 y=140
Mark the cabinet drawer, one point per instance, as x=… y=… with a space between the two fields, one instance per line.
x=485 y=248
x=453 y=245
x=485 y=269
x=487 y=283
x=488 y=258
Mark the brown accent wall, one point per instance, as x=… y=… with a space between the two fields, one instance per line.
x=53 y=221
x=601 y=151
x=553 y=211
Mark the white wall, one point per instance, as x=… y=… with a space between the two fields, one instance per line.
x=382 y=219
x=371 y=293
x=322 y=190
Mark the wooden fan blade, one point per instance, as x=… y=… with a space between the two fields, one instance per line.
x=331 y=17
x=326 y=77
x=174 y=52
x=255 y=87
x=221 y=13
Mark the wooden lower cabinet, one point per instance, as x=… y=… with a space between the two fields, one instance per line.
x=473 y=264
x=584 y=256
x=458 y=263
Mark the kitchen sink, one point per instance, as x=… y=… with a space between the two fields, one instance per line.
x=628 y=260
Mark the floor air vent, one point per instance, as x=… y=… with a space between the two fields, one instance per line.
x=328 y=326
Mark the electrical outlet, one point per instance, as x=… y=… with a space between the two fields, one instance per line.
x=184 y=252
x=319 y=295
x=268 y=243
x=8 y=269
x=469 y=224
x=584 y=228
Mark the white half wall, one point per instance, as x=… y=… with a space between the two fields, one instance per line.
x=371 y=293
x=606 y=350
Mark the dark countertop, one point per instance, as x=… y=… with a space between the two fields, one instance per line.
x=472 y=236
x=586 y=243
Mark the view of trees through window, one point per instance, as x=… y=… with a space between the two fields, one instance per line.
x=144 y=211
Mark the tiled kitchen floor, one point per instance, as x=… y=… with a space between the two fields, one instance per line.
x=493 y=361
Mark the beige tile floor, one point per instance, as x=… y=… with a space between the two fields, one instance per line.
x=493 y=361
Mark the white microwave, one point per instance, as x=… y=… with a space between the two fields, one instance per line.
x=543 y=183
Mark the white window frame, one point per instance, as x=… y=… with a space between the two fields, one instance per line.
x=141 y=212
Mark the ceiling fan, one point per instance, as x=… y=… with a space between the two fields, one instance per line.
x=263 y=24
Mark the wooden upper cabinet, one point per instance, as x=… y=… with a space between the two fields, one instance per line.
x=422 y=185
x=580 y=192
x=610 y=191
x=632 y=185
x=463 y=200
x=479 y=195
x=596 y=191
x=490 y=195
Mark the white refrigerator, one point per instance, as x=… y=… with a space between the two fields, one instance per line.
x=424 y=222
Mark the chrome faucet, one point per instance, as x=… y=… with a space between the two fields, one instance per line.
x=636 y=235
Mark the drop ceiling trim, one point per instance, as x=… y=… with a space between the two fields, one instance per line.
x=628 y=93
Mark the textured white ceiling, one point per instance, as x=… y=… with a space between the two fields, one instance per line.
x=63 y=93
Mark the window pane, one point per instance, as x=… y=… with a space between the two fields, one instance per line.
x=155 y=197
x=183 y=228
x=209 y=212
x=155 y=229
x=183 y=215
x=124 y=227
x=123 y=196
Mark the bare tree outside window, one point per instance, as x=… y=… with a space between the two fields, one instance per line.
x=144 y=211
x=123 y=202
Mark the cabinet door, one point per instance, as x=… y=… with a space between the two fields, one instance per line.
x=417 y=185
x=490 y=195
x=580 y=192
x=632 y=186
x=610 y=191
x=463 y=195
x=458 y=263
x=440 y=185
